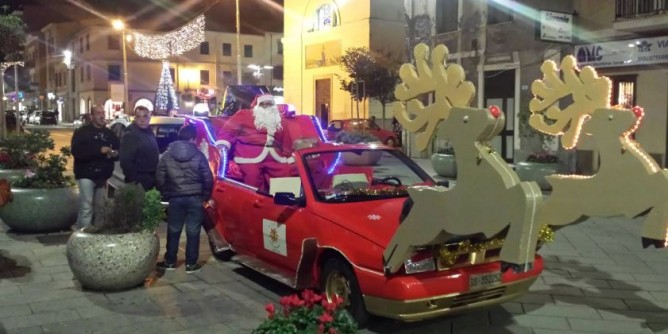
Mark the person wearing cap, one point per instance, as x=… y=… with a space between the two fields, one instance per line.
x=254 y=137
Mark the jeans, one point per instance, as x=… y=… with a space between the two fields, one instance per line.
x=91 y=195
x=184 y=210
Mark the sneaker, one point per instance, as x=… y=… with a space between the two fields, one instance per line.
x=166 y=266
x=192 y=268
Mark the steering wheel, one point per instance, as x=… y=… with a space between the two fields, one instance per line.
x=390 y=180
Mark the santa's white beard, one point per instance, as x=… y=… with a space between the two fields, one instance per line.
x=267 y=118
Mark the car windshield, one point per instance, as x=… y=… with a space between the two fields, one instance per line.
x=362 y=175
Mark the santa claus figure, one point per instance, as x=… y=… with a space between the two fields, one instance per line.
x=255 y=139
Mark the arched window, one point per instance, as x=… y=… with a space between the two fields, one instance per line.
x=325 y=17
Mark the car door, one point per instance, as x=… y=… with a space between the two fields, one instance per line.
x=233 y=201
x=277 y=231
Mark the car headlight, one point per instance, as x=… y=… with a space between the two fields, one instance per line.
x=416 y=265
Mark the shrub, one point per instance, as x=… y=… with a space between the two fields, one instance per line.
x=310 y=313
x=355 y=137
x=131 y=210
x=20 y=150
x=47 y=172
x=544 y=157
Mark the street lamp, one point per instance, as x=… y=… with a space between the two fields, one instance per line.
x=70 y=64
x=258 y=69
x=120 y=26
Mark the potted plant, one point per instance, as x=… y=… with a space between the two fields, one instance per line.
x=443 y=162
x=45 y=200
x=308 y=313
x=19 y=151
x=121 y=249
x=364 y=158
x=537 y=166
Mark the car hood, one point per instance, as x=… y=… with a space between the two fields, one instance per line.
x=374 y=220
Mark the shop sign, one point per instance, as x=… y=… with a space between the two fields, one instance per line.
x=556 y=27
x=642 y=51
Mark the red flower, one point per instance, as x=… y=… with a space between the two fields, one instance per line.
x=325 y=318
x=271 y=309
x=332 y=330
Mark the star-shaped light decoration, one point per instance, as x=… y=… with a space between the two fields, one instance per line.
x=373 y=217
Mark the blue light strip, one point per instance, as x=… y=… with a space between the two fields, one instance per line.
x=222 y=168
x=333 y=166
x=318 y=125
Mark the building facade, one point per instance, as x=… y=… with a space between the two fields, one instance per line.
x=95 y=70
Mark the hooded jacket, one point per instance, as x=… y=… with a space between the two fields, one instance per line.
x=184 y=171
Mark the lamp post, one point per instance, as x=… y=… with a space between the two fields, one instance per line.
x=120 y=26
x=70 y=63
x=238 y=44
x=258 y=69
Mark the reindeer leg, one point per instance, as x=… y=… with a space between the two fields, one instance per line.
x=519 y=248
x=395 y=253
x=655 y=227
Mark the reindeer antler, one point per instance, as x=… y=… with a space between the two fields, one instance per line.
x=447 y=83
x=589 y=92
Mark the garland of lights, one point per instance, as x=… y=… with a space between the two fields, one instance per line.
x=173 y=43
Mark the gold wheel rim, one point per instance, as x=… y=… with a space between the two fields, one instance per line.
x=338 y=285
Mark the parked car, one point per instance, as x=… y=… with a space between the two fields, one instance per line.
x=10 y=121
x=386 y=137
x=327 y=223
x=166 y=131
x=48 y=118
x=35 y=117
x=81 y=121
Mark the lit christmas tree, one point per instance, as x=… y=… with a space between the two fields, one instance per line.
x=165 y=97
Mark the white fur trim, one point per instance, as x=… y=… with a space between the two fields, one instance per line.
x=224 y=143
x=260 y=157
x=265 y=98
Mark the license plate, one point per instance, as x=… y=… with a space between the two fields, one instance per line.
x=479 y=281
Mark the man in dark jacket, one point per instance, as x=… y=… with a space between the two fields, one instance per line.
x=185 y=179
x=95 y=148
x=139 y=150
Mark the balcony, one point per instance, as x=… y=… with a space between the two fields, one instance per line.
x=641 y=15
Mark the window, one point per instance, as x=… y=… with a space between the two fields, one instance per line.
x=277 y=72
x=498 y=12
x=623 y=91
x=81 y=74
x=248 y=51
x=88 y=72
x=114 y=72
x=325 y=17
x=447 y=16
x=204 y=48
x=113 y=43
x=204 y=77
x=80 y=44
x=227 y=49
x=279 y=47
x=87 y=42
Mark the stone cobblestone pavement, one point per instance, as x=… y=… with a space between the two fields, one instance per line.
x=598 y=279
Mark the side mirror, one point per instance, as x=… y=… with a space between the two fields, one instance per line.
x=288 y=199
x=443 y=184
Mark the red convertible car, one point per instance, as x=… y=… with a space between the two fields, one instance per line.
x=326 y=225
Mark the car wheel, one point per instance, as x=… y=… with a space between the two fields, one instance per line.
x=390 y=142
x=338 y=279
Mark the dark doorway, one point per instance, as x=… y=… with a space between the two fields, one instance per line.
x=323 y=100
x=500 y=91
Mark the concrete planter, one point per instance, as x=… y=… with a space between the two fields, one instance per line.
x=444 y=165
x=41 y=210
x=111 y=262
x=534 y=171
x=12 y=175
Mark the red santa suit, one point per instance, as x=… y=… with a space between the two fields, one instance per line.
x=257 y=148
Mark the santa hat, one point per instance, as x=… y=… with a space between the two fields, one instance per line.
x=265 y=98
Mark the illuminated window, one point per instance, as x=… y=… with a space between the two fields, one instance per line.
x=623 y=91
x=325 y=18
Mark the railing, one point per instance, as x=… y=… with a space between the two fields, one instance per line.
x=635 y=8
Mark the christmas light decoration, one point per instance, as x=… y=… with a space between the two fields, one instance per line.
x=165 y=97
x=173 y=43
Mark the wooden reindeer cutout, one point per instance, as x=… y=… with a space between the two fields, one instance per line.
x=488 y=197
x=629 y=182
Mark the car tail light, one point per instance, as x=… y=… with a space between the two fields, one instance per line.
x=419 y=263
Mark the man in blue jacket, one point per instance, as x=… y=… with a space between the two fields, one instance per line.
x=185 y=179
x=94 y=148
